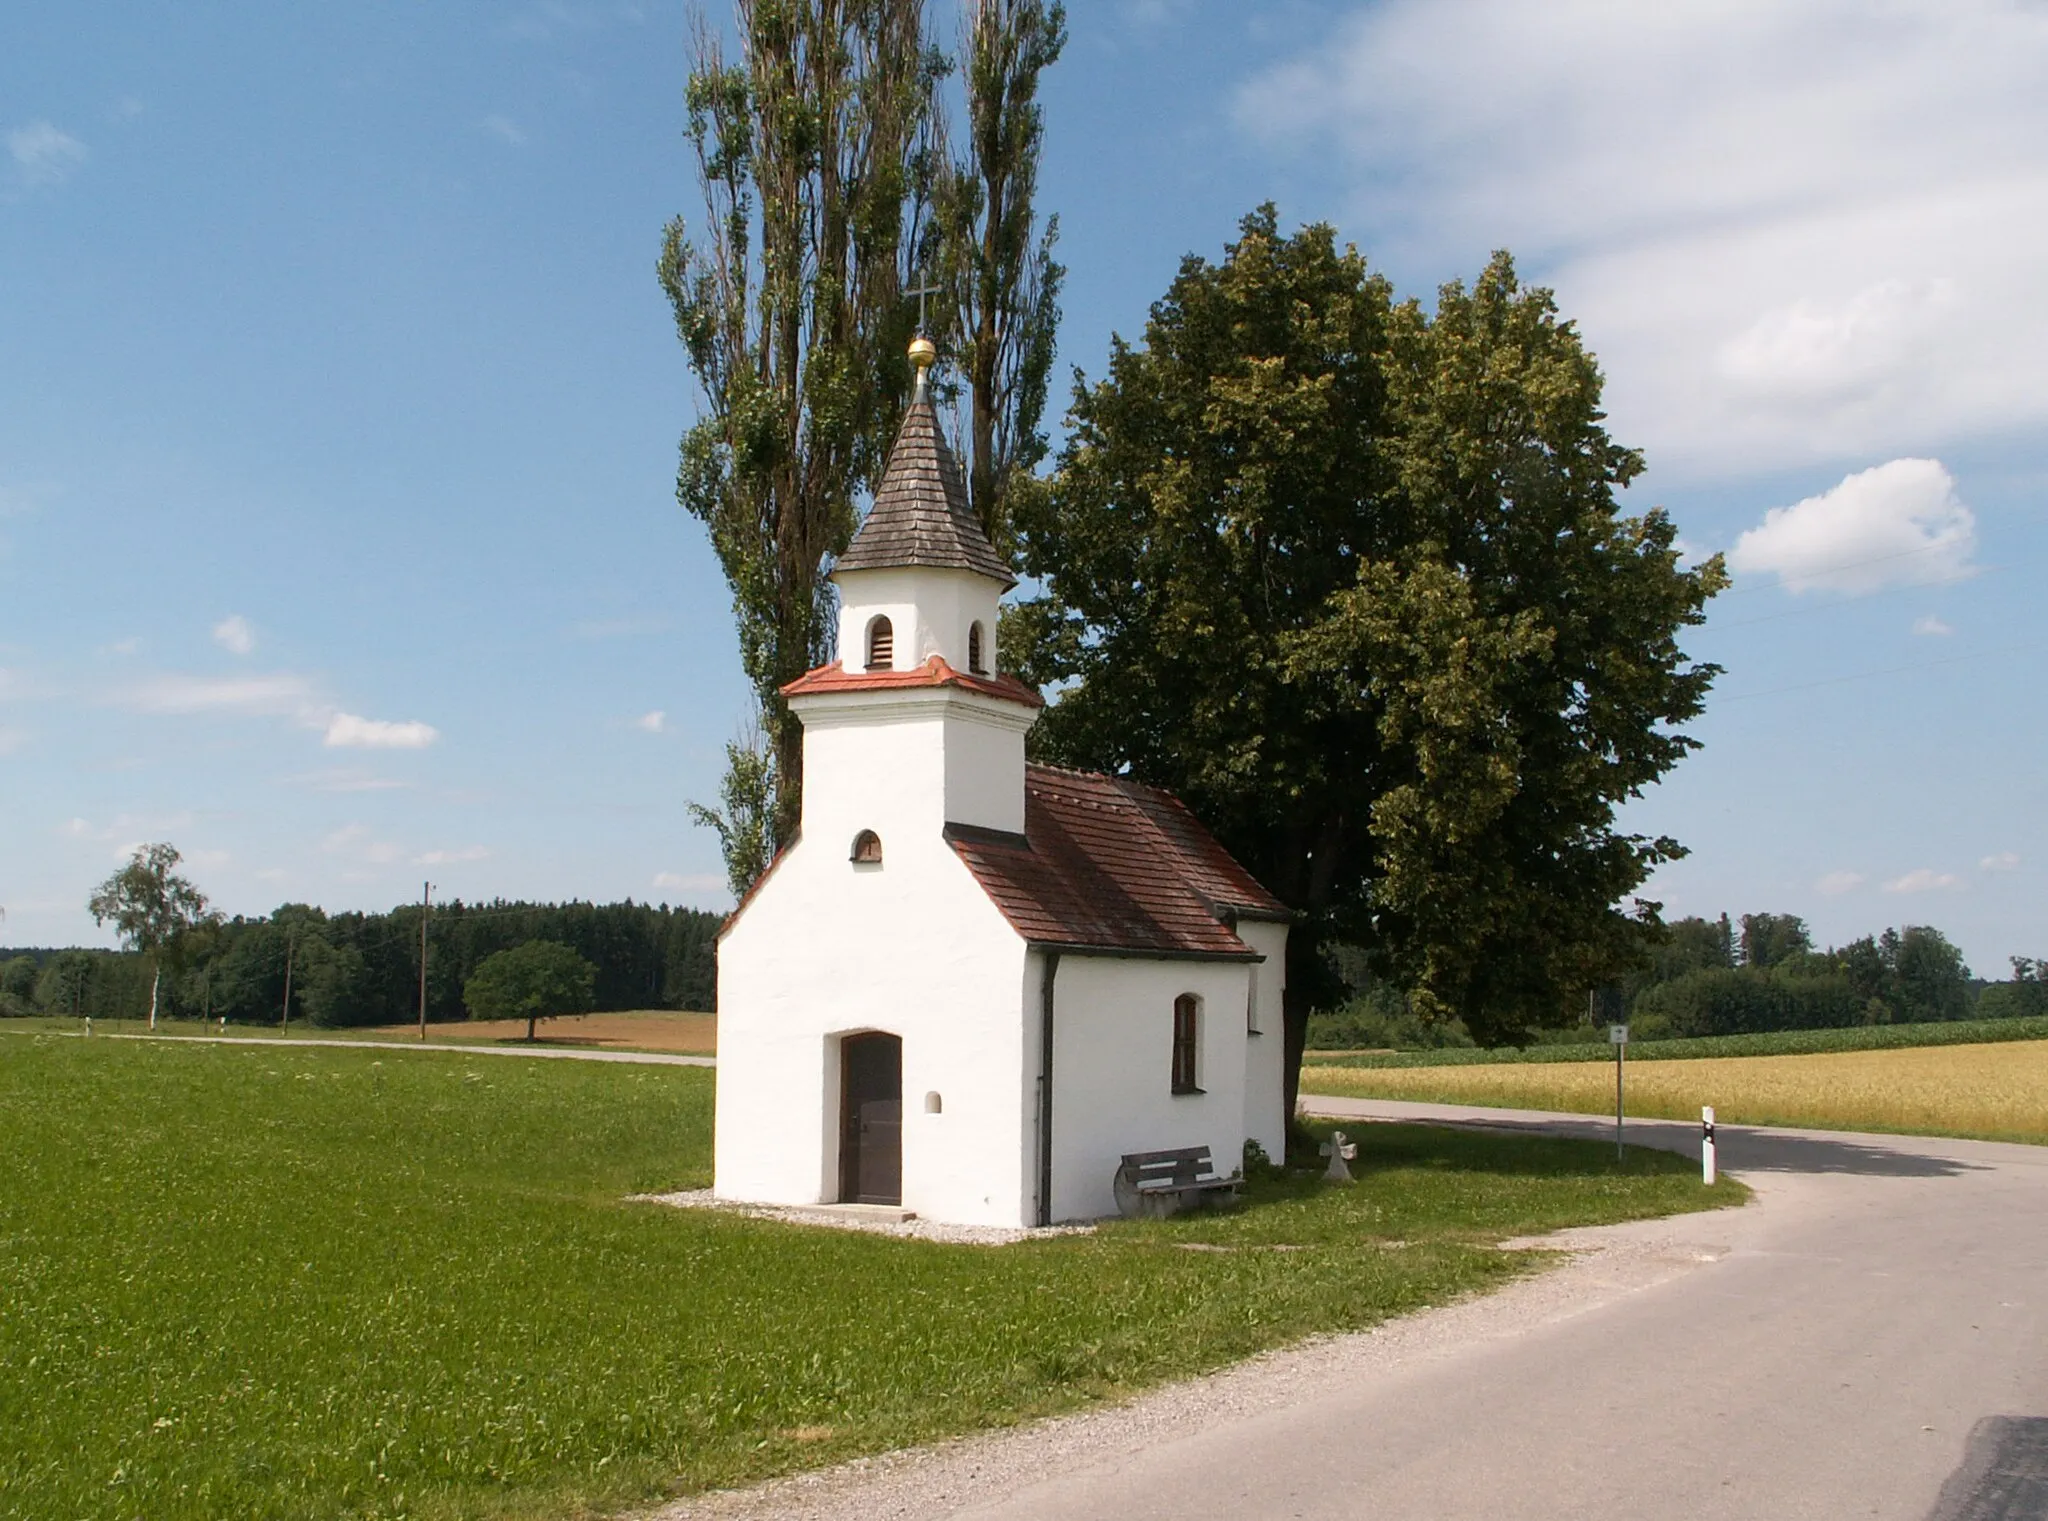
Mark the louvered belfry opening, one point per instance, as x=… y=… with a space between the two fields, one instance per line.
x=881 y=645
x=975 y=665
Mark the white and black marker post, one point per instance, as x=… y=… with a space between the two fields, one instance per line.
x=1707 y=1172
x=1617 y=1035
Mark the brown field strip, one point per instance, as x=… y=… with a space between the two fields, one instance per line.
x=632 y=1030
x=1995 y=1091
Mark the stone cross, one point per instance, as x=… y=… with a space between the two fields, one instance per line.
x=1339 y=1150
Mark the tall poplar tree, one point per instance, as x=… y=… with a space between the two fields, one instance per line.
x=1001 y=281
x=813 y=154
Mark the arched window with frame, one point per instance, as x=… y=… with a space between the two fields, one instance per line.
x=1187 y=1022
x=976 y=665
x=881 y=644
x=867 y=849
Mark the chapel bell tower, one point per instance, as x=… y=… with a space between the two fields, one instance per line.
x=912 y=727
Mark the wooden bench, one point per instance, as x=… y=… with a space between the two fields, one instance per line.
x=1156 y=1184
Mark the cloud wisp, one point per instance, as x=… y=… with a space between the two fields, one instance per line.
x=652 y=723
x=1898 y=524
x=2004 y=860
x=1794 y=230
x=235 y=635
x=1924 y=880
x=1835 y=883
x=280 y=695
x=43 y=154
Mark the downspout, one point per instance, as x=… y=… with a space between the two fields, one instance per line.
x=1045 y=990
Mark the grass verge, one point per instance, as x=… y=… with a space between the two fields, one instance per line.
x=289 y=1282
x=1771 y=1043
x=1987 y=1092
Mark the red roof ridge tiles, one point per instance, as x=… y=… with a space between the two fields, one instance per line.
x=1108 y=864
x=935 y=672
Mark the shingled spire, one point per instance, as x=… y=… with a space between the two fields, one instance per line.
x=920 y=516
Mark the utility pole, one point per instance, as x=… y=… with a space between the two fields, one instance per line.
x=291 y=944
x=426 y=903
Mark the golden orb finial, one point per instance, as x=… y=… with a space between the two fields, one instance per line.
x=923 y=355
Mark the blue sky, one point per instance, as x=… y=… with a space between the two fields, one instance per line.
x=338 y=411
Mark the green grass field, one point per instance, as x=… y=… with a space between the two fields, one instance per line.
x=293 y=1282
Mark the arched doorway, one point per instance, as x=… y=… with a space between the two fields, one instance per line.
x=871 y=1119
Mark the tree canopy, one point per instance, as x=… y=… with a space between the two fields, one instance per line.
x=150 y=907
x=1351 y=578
x=538 y=980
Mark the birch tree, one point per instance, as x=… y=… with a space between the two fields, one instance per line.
x=150 y=907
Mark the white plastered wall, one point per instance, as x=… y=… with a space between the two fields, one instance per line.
x=911 y=761
x=929 y=613
x=1113 y=1069
x=1265 y=1092
x=912 y=947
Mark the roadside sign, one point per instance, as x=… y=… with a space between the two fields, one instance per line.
x=1617 y=1035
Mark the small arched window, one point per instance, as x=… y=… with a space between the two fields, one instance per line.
x=976 y=666
x=881 y=645
x=867 y=848
x=1186 y=1042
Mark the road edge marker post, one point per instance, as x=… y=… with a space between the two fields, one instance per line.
x=1617 y=1035
x=1708 y=1170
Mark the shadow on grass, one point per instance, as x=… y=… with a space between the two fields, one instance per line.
x=1742 y=1148
x=1425 y=1182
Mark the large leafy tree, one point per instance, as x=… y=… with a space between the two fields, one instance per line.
x=813 y=154
x=1001 y=281
x=1351 y=578
x=541 y=979
x=151 y=907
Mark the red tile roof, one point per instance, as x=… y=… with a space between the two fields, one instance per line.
x=1105 y=864
x=935 y=672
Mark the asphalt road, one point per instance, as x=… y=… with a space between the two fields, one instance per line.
x=1869 y=1338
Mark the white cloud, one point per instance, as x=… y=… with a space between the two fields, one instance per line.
x=1929 y=625
x=689 y=883
x=1794 y=230
x=443 y=857
x=2005 y=860
x=42 y=154
x=1924 y=880
x=504 y=129
x=128 y=646
x=174 y=693
x=1896 y=524
x=11 y=740
x=234 y=634
x=653 y=722
x=1835 y=883
x=347 y=731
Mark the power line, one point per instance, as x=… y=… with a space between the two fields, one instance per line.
x=1900 y=670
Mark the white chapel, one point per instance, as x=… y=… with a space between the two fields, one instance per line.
x=971 y=985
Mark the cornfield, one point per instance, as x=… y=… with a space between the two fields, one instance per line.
x=1997 y=1092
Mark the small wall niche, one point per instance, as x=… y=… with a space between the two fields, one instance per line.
x=933 y=1104
x=867 y=849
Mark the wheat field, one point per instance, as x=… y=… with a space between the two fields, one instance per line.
x=1993 y=1091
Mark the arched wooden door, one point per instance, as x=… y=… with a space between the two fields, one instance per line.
x=871 y=1119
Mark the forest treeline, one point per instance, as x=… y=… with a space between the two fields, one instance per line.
x=364 y=969
x=1748 y=976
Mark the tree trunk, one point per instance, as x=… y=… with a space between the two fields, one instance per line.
x=531 y=1021
x=156 y=973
